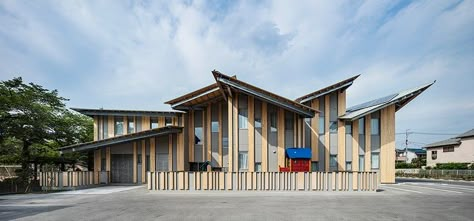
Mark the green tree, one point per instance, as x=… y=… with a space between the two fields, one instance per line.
x=34 y=122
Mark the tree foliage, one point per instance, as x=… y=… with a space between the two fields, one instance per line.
x=34 y=123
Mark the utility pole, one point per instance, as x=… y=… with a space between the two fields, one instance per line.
x=406 y=145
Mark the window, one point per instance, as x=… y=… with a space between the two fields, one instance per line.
x=258 y=122
x=307 y=131
x=314 y=166
x=434 y=155
x=168 y=121
x=258 y=167
x=198 y=136
x=103 y=161
x=243 y=116
x=348 y=166
x=361 y=163
x=375 y=160
x=118 y=126
x=333 y=127
x=225 y=142
x=243 y=160
x=448 y=149
x=131 y=125
x=362 y=126
x=273 y=121
x=214 y=126
x=153 y=122
x=333 y=161
x=374 y=126
x=321 y=125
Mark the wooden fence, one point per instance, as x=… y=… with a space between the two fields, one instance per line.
x=71 y=179
x=264 y=181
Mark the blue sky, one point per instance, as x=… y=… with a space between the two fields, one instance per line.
x=138 y=54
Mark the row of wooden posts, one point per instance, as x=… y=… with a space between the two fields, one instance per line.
x=264 y=181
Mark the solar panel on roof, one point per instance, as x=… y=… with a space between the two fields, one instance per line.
x=371 y=103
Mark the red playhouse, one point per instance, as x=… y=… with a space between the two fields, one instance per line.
x=297 y=160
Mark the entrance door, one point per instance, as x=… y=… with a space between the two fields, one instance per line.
x=122 y=168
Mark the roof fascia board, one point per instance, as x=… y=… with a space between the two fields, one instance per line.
x=195 y=97
x=326 y=92
x=126 y=113
x=117 y=141
x=265 y=97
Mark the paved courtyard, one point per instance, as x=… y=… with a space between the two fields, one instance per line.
x=406 y=200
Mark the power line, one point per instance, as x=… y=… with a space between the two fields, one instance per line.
x=427 y=133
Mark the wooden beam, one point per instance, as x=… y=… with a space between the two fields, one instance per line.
x=180 y=146
x=387 y=149
x=235 y=130
x=110 y=127
x=326 y=132
x=230 y=132
x=251 y=133
x=341 y=132
x=264 y=137
x=208 y=132
x=152 y=154
x=219 y=148
x=281 y=137
x=96 y=127
x=315 y=131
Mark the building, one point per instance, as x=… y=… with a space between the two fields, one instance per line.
x=459 y=149
x=408 y=154
x=236 y=126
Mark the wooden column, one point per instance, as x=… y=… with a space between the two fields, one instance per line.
x=264 y=138
x=235 y=130
x=180 y=146
x=219 y=148
x=295 y=131
x=96 y=126
x=230 y=132
x=107 y=159
x=368 y=166
x=125 y=125
x=281 y=137
x=251 y=133
x=315 y=132
x=387 y=147
x=97 y=165
x=341 y=132
x=161 y=121
x=152 y=154
x=110 y=128
x=170 y=152
x=355 y=145
x=100 y=136
x=326 y=132
x=135 y=162
x=191 y=139
x=208 y=132
x=143 y=161
x=145 y=123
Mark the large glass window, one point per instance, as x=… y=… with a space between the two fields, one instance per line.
x=307 y=132
x=153 y=122
x=361 y=163
x=374 y=126
x=243 y=116
x=130 y=125
x=375 y=160
x=333 y=162
x=243 y=160
x=258 y=167
x=118 y=126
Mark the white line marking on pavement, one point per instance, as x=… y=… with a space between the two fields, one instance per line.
x=452 y=186
x=413 y=191
x=451 y=191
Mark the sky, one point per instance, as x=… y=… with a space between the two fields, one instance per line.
x=139 y=54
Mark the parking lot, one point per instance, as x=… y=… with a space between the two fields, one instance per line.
x=406 y=200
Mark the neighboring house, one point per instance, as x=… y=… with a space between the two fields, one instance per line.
x=236 y=126
x=407 y=155
x=459 y=149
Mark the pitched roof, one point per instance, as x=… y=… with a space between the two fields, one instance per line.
x=111 y=112
x=469 y=133
x=414 y=150
x=399 y=99
x=226 y=83
x=344 y=84
x=448 y=142
x=195 y=97
x=121 y=139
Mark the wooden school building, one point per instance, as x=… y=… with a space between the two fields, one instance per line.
x=234 y=126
